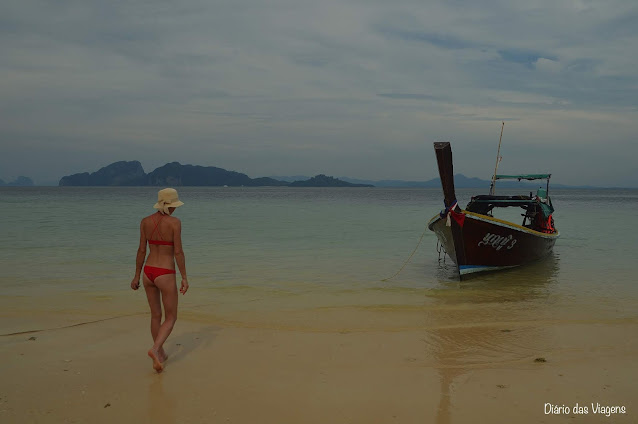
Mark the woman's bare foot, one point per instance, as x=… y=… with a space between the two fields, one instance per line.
x=157 y=363
x=162 y=355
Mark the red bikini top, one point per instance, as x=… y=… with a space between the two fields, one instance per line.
x=160 y=242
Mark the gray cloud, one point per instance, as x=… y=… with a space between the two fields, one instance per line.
x=302 y=87
x=410 y=96
x=439 y=40
x=528 y=58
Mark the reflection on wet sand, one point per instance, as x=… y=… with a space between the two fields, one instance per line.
x=160 y=406
x=486 y=322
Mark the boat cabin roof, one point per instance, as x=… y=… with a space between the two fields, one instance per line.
x=484 y=203
x=524 y=177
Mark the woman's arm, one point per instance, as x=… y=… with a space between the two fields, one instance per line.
x=179 y=254
x=139 y=259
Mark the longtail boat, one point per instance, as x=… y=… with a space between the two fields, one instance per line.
x=475 y=240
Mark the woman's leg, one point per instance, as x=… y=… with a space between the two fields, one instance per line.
x=168 y=288
x=155 y=303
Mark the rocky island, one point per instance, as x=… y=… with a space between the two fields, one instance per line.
x=174 y=174
x=322 y=180
x=21 y=181
x=116 y=174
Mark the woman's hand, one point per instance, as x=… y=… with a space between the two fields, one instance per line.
x=135 y=284
x=184 y=287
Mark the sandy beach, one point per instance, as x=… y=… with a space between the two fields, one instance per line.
x=290 y=317
x=220 y=372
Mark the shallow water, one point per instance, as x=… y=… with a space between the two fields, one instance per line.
x=309 y=259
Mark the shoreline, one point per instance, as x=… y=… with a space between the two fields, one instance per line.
x=99 y=372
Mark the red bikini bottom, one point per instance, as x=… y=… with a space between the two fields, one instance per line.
x=153 y=272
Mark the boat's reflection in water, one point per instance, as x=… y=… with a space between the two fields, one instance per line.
x=491 y=321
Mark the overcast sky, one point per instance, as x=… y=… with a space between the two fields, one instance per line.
x=358 y=88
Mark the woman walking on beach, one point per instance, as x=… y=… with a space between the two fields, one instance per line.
x=163 y=234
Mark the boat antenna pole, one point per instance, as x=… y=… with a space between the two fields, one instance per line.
x=498 y=159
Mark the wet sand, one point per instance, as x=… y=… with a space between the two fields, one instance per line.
x=221 y=372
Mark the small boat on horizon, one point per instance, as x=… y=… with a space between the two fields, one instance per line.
x=475 y=240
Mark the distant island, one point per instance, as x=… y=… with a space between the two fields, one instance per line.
x=131 y=173
x=324 y=181
x=460 y=181
x=174 y=174
x=21 y=181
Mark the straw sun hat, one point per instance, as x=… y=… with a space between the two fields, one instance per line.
x=167 y=198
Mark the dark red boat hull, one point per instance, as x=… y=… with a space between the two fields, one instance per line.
x=480 y=243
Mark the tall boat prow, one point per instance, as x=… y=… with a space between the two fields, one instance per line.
x=475 y=240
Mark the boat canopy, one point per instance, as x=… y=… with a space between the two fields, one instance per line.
x=483 y=204
x=488 y=202
x=524 y=177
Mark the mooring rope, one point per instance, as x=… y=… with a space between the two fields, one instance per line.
x=409 y=257
x=441 y=249
x=40 y=330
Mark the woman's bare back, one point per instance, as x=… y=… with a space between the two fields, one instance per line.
x=159 y=231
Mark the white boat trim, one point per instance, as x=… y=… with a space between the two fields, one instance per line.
x=509 y=225
x=472 y=269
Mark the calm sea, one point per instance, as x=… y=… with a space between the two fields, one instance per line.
x=310 y=259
